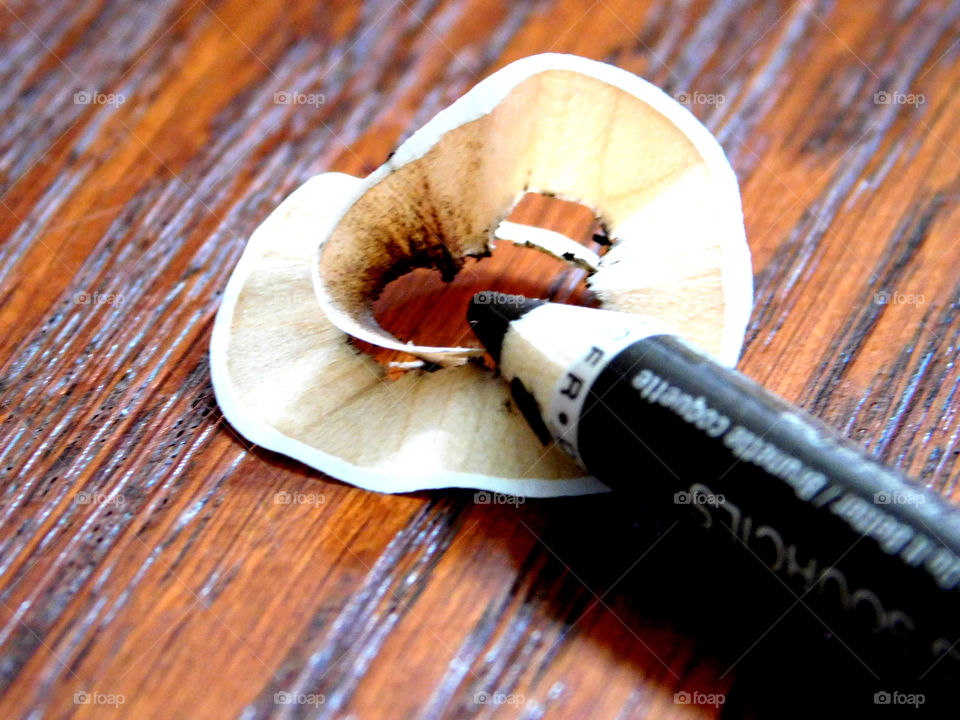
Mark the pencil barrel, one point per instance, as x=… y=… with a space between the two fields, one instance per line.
x=854 y=540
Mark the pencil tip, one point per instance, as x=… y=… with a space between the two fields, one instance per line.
x=490 y=314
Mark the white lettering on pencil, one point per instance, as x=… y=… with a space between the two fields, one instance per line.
x=693 y=410
x=784 y=560
x=748 y=447
x=865 y=517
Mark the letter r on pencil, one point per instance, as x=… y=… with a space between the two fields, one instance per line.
x=574 y=385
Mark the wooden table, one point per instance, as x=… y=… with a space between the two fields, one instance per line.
x=140 y=145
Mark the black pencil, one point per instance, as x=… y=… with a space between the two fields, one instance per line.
x=644 y=411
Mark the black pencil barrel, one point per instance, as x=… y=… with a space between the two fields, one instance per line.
x=843 y=531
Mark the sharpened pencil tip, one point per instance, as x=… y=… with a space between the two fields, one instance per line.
x=490 y=314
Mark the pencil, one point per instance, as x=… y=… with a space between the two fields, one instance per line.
x=644 y=411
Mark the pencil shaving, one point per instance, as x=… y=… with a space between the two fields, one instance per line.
x=576 y=129
x=287 y=378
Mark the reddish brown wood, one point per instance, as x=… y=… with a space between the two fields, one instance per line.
x=199 y=595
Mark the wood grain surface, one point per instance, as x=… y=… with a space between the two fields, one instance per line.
x=147 y=568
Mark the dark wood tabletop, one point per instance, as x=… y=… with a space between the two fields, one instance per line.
x=146 y=570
